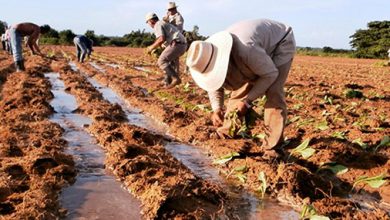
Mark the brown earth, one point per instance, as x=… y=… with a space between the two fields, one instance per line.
x=35 y=167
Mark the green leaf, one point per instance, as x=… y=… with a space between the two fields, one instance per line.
x=322 y=126
x=307 y=153
x=339 y=135
x=336 y=168
x=385 y=142
x=226 y=158
x=241 y=177
x=259 y=136
x=360 y=143
x=308 y=211
x=303 y=149
x=374 y=182
x=242 y=168
x=263 y=187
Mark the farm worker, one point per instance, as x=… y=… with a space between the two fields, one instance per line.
x=172 y=39
x=174 y=17
x=388 y=53
x=83 y=47
x=3 y=39
x=251 y=59
x=30 y=30
x=8 y=41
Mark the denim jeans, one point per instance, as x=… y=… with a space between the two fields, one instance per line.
x=82 y=49
x=16 y=44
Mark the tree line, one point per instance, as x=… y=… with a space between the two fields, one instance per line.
x=373 y=42
x=133 y=39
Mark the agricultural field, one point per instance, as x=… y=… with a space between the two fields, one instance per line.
x=334 y=161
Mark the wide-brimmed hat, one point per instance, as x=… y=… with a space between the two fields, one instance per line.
x=171 y=5
x=149 y=16
x=208 y=60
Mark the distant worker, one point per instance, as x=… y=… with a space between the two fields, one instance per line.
x=3 y=41
x=83 y=47
x=251 y=59
x=388 y=53
x=174 y=17
x=8 y=41
x=175 y=46
x=32 y=31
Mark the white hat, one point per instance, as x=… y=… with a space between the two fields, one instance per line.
x=208 y=60
x=171 y=5
x=149 y=16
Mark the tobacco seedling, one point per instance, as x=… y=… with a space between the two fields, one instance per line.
x=339 y=135
x=226 y=158
x=352 y=93
x=259 y=136
x=303 y=149
x=360 y=143
x=186 y=87
x=51 y=54
x=328 y=99
x=322 y=126
x=239 y=173
x=337 y=169
x=385 y=142
x=263 y=184
x=374 y=182
x=305 y=122
x=298 y=106
x=309 y=212
x=294 y=119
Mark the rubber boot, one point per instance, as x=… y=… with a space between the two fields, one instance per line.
x=19 y=66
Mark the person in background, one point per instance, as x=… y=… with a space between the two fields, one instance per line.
x=3 y=43
x=32 y=31
x=172 y=39
x=251 y=59
x=174 y=17
x=83 y=47
x=8 y=41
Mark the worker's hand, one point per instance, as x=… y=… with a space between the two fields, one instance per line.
x=242 y=108
x=217 y=118
x=149 y=50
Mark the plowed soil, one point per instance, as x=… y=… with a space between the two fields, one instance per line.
x=344 y=127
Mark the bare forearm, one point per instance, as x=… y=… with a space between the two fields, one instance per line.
x=157 y=43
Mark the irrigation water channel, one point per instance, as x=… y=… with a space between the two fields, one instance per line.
x=95 y=186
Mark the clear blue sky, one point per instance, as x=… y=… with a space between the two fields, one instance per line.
x=316 y=23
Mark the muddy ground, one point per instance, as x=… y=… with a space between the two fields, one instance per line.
x=344 y=127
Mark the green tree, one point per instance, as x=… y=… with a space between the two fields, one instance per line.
x=139 y=38
x=66 y=37
x=372 y=42
x=91 y=35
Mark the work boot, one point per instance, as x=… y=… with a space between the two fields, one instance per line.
x=175 y=81
x=19 y=66
x=167 y=80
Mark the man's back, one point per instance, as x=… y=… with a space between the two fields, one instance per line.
x=27 y=29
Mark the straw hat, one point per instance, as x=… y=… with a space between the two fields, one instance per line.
x=208 y=60
x=149 y=16
x=171 y=5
